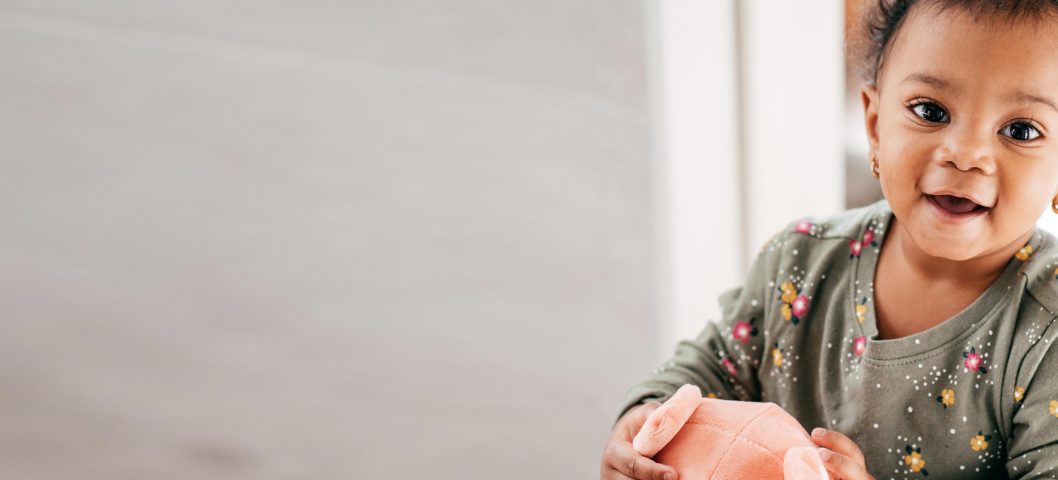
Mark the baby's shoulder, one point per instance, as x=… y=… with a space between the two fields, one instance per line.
x=1033 y=332
x=1040 y=270
x=825 y=235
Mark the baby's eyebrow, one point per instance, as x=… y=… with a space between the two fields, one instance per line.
x=1025 y=97
x=928 y=79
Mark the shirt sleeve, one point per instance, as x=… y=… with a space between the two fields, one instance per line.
x=723 y=359
x=1032 y=449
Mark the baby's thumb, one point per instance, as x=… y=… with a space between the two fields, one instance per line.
x=666 y=421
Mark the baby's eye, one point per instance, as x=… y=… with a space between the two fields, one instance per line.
x=1021 y=131
x=929 y=111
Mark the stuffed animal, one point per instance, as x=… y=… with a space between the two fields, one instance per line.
x=712 y=439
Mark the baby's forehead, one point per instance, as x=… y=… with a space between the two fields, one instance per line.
x=967 y=52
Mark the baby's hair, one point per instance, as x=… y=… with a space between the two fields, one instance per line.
x=882 y=21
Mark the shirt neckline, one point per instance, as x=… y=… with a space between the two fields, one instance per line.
x=948 y=331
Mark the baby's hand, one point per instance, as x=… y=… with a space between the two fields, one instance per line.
x=840 y=455
x=620 y=461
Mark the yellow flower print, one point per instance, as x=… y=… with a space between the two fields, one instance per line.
x=1019 y=394
x=1054 y=408
x=861 y=311
x=776 y=357
x=1024 y=253
x=946 y=397
x=915 y=461
x=789 y=293
x=794 y=306
x=980 y=441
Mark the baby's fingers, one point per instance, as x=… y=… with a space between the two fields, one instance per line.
x=843 y=467
x=621 y=458
x=838 y=442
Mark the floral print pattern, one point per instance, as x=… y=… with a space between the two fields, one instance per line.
x=1024 y=253
x=914 y=460
x=794 y=304
x=776 y=356
x=859 y=345
x=800 y=306
x=946 y=397
x=973 y=361
x=743 y=330
x=855 y=247
x=806 y=227
x=787 y=313
x=729 y=365
x=980 y=441
x=868 y=238
x=789 y=293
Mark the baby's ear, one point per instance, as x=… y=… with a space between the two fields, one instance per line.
x=869 y=98
x=667 y=420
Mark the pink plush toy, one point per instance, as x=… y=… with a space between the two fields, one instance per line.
x=711 y=439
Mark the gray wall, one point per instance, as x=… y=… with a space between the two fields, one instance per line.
x=279 y=239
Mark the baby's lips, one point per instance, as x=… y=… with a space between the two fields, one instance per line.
x=978 y=199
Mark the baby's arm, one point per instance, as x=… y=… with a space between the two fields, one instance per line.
x=724 y=358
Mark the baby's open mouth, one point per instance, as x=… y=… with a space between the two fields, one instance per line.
x=956 y=205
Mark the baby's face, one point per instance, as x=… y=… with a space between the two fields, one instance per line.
x=967 y=109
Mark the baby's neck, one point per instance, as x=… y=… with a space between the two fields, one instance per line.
x=915 y=291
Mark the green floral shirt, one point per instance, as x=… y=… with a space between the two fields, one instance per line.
x=973 y=397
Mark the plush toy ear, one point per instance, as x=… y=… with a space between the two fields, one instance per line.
x=803 y=463
x=667 y=420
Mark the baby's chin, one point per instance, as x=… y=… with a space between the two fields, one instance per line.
x=939 y=235
x=955 y=244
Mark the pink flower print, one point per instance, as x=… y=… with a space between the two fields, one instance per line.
x=973 y=361
x=854 y=248
x=743 y=330
x=800 y=306
x=859 y=345
x=805 y=227
x=794 y=306
x=868 y=237
x=730 y=366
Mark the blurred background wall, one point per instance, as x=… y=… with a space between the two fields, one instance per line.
x=279 y=239
x=386 y=240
